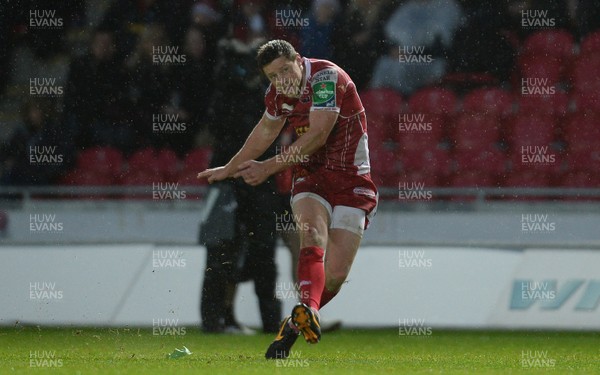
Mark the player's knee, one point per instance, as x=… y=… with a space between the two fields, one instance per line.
x=313 y=237
x=335 y=279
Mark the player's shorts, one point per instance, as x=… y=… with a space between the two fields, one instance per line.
x=351 y=200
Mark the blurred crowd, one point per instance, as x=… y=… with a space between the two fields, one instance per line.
x=165 y=74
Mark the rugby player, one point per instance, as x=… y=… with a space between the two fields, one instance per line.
x=333 y=196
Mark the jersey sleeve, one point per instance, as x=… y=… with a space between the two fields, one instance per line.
x=271 y=110
x=327 y=90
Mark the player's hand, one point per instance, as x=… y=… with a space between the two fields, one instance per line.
x=214 y=174
x=253 y=172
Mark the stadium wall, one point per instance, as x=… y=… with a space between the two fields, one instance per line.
x=526 y=226
x=430 y=287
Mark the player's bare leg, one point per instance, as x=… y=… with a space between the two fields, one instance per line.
x=342 y=247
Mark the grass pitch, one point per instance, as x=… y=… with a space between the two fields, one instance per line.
x=133 y=351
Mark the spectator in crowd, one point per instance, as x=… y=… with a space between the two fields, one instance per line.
x=316 y=38
x=482 y=32
x=150 y=76
x=95 y=96
x=129 y=18
x=39 y=151
x=249 y=22
x=420 y=33
x=208 y=17
x=587 y=17
x=357 y=39
x=249 y=253
x=194 y=86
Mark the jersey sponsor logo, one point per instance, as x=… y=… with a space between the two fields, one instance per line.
x=364 y=191
x=324 y=94
x=323 y=85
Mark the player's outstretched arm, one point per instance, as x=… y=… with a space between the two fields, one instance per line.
x=262 y=136
x=321 y=124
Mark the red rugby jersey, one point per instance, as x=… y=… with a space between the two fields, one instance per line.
x=326 y=87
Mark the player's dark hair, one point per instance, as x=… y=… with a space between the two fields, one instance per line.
x=274 y=49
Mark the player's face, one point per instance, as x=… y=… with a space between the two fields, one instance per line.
x=285 y=75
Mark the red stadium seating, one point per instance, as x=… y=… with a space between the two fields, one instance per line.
x=87 y=177
x=433 y=100
x=490 y=101
x=188 y=178
x=168 y=163
x=527 y=178
x=473 y=179
x=555 y=105
x=421 y=131
x=584 y=160
x=587 y=100
x=531 y=129
x=585 y=73
x=548 y=71
x=582 y=131
x=143 y=160
x=590 y=44
x=417 y=181
x=491 y=162
x=102 y=160
x=476 y=132
x=197 y=160
x=434 y=161
x=382 y=107
x=385 y=166
x=555 y=43
x=580 y=179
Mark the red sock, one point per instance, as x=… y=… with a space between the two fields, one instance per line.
x=311 y=275
x=327 y=296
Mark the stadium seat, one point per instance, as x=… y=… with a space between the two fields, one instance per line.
x=103 y=160
x=433 y=161
x=476 y=132
x=590 y=44
x=585 y=160
x=141 y=178
x=188 y=178
x=420 y=181
x=143 y=160
x=492 y=162
x=382 y=107
x=587 y=100
x=383 y=101
x=490 y=101
x=472 y=179
x=530 y=129
x=550 y=43
x=554 y=105
x=539 y=158
x=168 y=163
x=197 y=160
x=582 y=131
x=88 y=177
x=547 y=70
x=433 y=100
x=422 y=132
x=585 y=73
x=526 y=179
x=581 y=180
x=384 y=166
